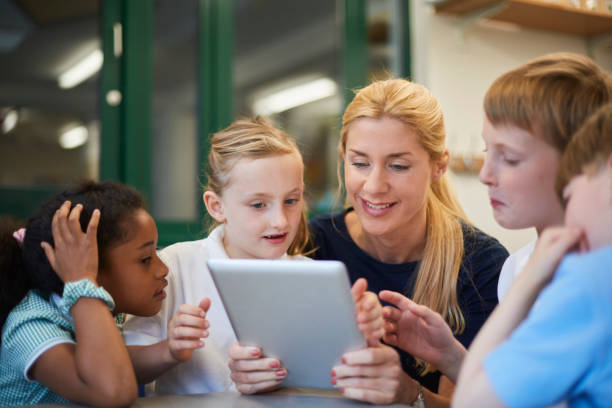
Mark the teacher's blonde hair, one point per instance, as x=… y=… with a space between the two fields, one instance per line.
x=413 y=104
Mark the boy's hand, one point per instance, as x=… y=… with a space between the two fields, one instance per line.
x=187 y=329
x=75 y=254
x=253 y=373
x=552 y=245
x=369 y=313
x=421 y=332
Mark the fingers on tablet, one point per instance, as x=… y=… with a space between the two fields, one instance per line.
x=261 y=364
x=253 y=376
x=238 y=352
x=371 y=356
x=258 y=377
x=371 y=376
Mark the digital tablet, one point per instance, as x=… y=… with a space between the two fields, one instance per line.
x=300 y=312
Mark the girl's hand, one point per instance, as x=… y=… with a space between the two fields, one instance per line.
x=253 y=373
x=371 y=374
x=369 y=312
x=186 y=330
x=421 y=332
x=75 y=254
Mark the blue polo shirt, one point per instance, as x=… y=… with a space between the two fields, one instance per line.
x=562 y=351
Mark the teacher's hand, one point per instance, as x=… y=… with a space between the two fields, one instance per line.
x=372 y=374
x=253 y=373
x=421 y=332
x=369 y=312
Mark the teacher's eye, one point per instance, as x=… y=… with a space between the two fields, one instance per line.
x=258 y=205
x=399 y=167
x=359 y=165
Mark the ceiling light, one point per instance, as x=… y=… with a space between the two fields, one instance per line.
x=295 y=96
x=82 y=70
x=74 y=137
x=10 y=121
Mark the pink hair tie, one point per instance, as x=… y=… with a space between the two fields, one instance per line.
x=19 y=236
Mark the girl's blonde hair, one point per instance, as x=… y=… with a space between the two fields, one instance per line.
x=251 y=139
x=412 y=104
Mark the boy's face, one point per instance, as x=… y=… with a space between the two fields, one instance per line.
x=589 y=206
x=262 y=206
x=519 y=171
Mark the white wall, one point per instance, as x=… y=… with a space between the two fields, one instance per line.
x=458 y=69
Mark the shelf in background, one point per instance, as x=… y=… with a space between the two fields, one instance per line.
x=538 y=14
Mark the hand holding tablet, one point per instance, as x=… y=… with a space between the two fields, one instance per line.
x=300 y=313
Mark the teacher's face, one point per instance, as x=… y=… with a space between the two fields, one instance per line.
x=387 y=175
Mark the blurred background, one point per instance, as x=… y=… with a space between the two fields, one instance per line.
x=130 y=90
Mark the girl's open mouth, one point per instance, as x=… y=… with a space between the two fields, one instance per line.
x=276 y=238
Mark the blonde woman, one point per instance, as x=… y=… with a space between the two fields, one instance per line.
x=403 y=228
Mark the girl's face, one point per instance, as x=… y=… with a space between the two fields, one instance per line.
x=519 y=170
x=133 y=273
x=261 y=206
x=588 y=198
x=387 y=175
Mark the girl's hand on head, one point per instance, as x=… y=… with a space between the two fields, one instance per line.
x=369 y=313
x=421 y=332
x=550 y=248
x=75 y=254
x=253 y=373
x=372 y=374
x=186 y=330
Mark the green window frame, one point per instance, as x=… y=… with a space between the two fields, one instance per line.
x=126 y=126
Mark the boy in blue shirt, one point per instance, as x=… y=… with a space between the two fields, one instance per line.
x=560 y=349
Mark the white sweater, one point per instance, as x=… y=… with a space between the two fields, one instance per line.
x=189 y=281
x=512 y=267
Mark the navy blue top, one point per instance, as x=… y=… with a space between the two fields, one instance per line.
x=476 y=286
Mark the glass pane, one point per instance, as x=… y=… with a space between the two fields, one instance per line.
x=175 y=171
x=384 y=19
x=295 y=59
x=49 y=66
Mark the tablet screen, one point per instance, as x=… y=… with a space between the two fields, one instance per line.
x=300 y=312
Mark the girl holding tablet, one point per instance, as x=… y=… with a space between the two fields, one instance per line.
x=255 y=195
